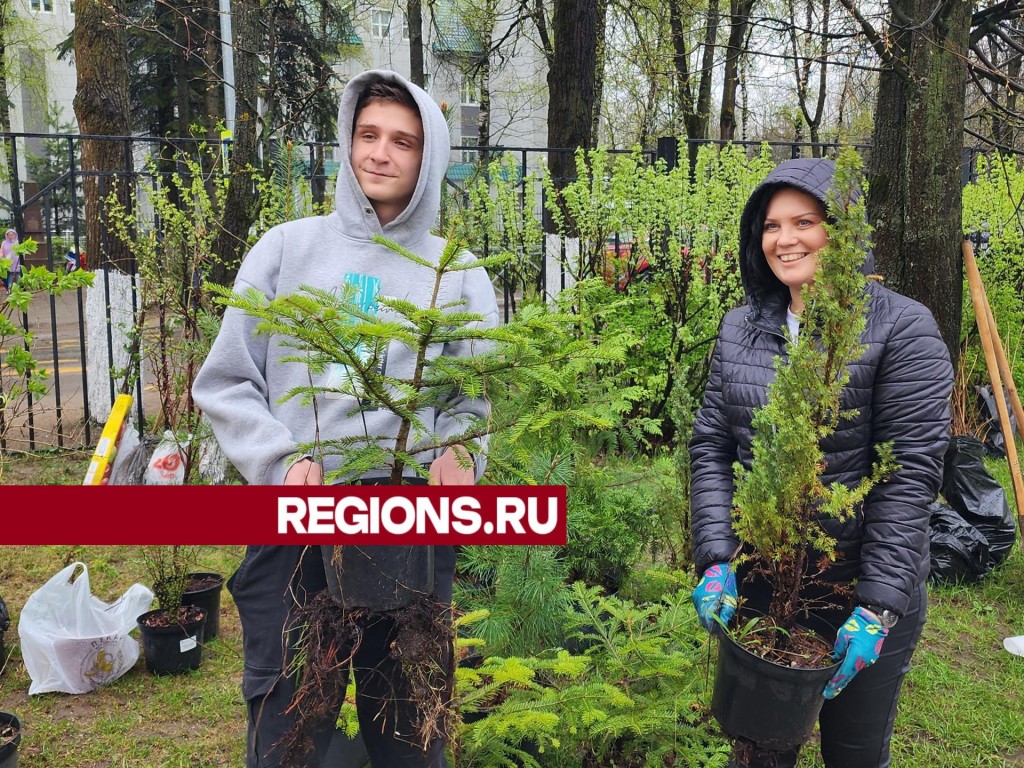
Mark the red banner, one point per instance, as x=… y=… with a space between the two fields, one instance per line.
x=334 y=514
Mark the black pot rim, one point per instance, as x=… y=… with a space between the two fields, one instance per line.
x=175 y=626
x=11 y=719
x=218 y=585
x=831 y=668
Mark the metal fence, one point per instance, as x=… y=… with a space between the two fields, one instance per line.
x=41 y=197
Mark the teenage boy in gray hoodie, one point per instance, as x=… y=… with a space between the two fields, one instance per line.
x=397 y=144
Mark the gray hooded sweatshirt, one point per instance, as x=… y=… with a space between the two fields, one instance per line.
x=243 y=379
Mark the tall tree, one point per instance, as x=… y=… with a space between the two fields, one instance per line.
x=573 y=97
x=693 y=88
x=6 y=20
x=739 y=23
x=811 y=52
x=915 y=165
x=240 y=203
x=102 y=108
x=414 y=15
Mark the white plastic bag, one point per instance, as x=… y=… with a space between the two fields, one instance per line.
x=167 y=464
x=74 y=642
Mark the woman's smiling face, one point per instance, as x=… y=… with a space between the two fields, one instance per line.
x=793 y=234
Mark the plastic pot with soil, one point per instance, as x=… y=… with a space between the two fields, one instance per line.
x=378 y=578
x=10 y=738
x=173 y=644
x=772 y=704
x=204 y=590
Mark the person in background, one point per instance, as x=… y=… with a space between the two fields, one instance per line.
x=7 y=251
x=398 y=146
x=900 y=389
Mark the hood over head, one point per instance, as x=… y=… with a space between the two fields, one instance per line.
x=811 y=175
x=357 y=215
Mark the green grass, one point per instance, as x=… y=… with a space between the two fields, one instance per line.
x=196 y=720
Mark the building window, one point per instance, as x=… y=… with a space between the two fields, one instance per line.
x=470 y=93
x=405 y=26
x=42 y=5
x=380 y=24
x=470 y=155
x=71 y=7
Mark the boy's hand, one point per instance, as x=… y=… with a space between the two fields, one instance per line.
x=304 y=472
x=453 y=467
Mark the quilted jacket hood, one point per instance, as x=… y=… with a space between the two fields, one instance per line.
x=765 y=292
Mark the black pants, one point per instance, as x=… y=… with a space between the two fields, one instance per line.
x=268 y=587
x=856 y=726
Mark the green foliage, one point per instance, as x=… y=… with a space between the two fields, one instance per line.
x=175 y=253
x=778 y=501
x=629 y=213
x=629 y=697
x=498 y=220
x=167 y=568
x=23 y=377
x=535 y=360
x=524 y=592
x=285 y=194
x=992 y=205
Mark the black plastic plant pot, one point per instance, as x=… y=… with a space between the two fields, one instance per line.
x=207 y=598
x=9 y=746
x=172 y=649
x=378 y=578
x=771 y=705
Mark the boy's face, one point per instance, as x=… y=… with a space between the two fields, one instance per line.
x=387 y=149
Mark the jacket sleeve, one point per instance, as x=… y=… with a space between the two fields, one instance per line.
x=231 y=388
x=713 y=450
x=461 y=411
x=911 y=410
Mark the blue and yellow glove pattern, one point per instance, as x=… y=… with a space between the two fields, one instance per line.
x=858 y=645
x=715 y=595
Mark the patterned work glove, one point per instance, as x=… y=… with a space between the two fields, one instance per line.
x=858 y=645
x=715 y=595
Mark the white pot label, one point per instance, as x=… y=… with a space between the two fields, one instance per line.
x=188 y=644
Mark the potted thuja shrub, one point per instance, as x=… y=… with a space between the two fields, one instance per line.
x=349 y=343
x=173 y=633
x=773 y=666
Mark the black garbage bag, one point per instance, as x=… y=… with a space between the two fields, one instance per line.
x=994 y=442
x=977 y=497
x=958 y=550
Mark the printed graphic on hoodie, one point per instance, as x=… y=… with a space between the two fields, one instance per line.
x=340 y=378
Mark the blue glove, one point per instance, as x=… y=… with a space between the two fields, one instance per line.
x=715 y=595
x=858 y=645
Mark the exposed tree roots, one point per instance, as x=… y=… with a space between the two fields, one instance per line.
x=331 y=637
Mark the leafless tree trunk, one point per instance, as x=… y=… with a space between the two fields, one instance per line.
x=101 y=106
x=240 y=203
x=739 y=21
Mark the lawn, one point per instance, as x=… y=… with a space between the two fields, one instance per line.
x=963 y=705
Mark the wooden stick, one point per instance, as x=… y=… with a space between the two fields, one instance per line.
x=1004 y=368
x=985 y=330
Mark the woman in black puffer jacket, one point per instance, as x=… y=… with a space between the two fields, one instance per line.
x=900 y=389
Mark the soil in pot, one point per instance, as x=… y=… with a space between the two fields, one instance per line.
x=773 y=705
x=172 y=645
x=10 y=738
x=203 y=590
x=379 y=578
